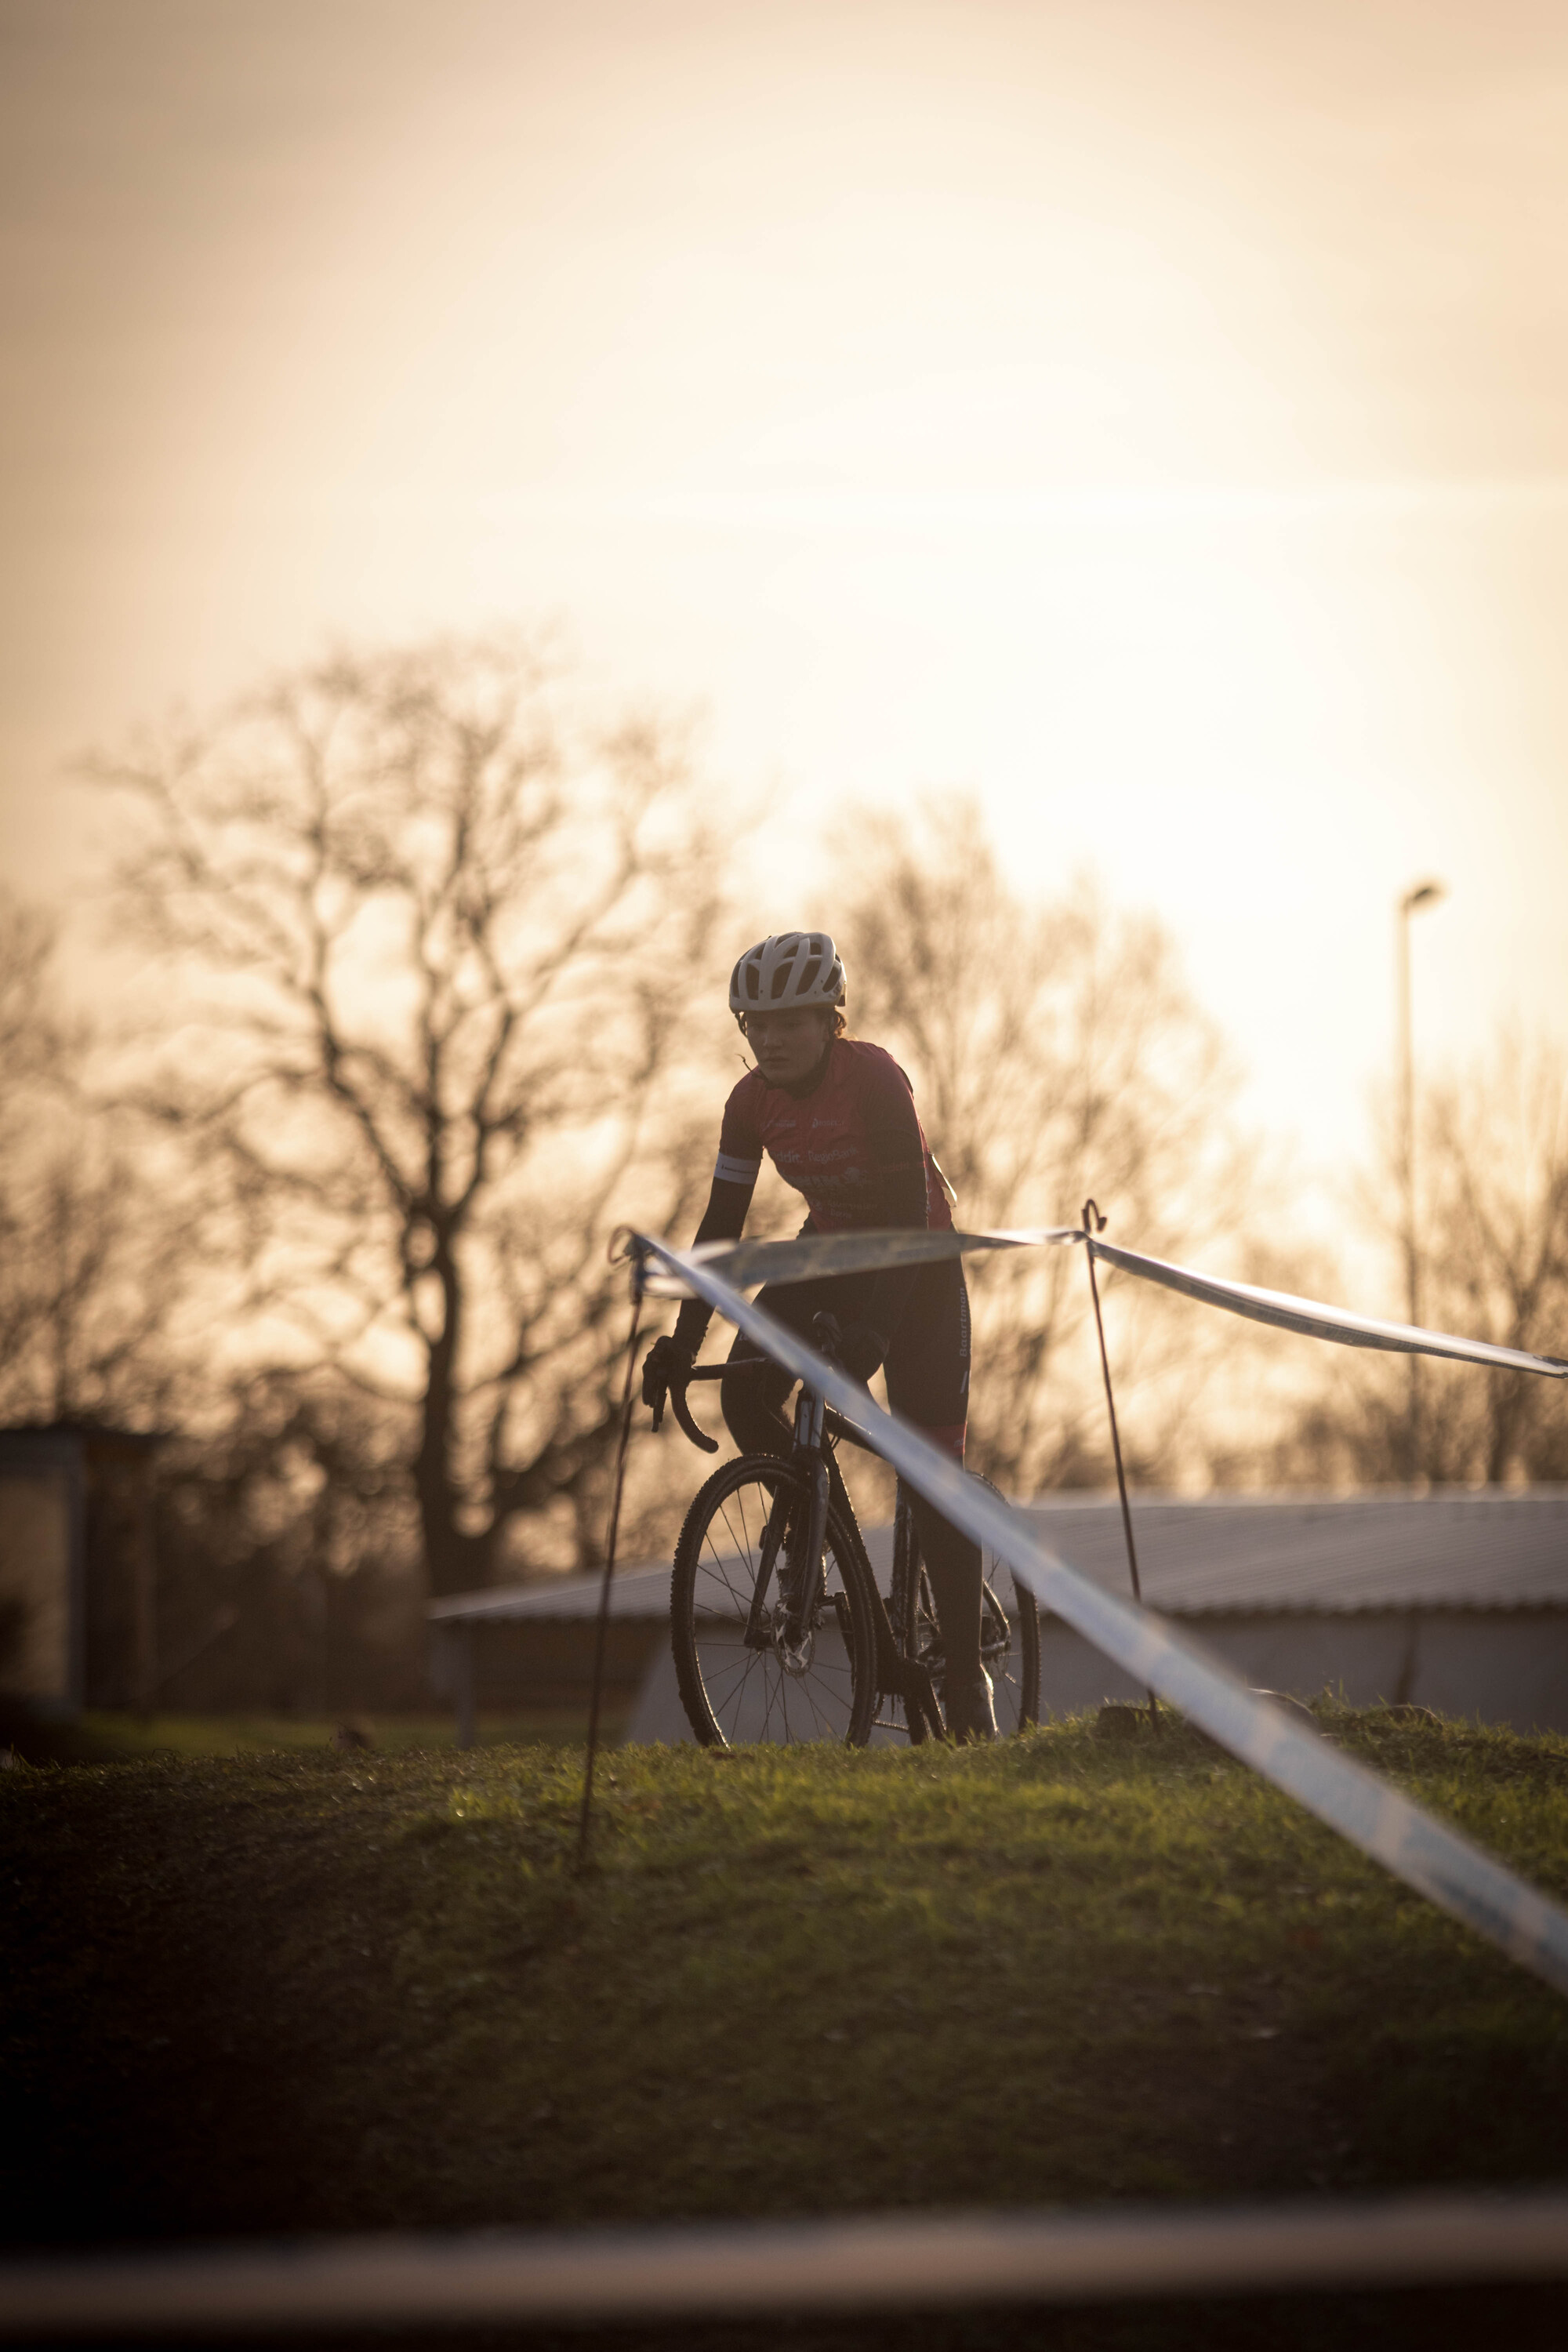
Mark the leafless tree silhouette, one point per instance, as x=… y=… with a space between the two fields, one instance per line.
x=424 y=938
x=91 y=1259
x=1055 y=1054
x=1492 y=1232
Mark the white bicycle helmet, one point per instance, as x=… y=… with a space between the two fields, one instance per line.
x=783 y=973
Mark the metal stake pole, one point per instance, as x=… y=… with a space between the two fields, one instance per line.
x=465 y=1671
x=1425 y=894
x=1093 y=1223
x=603 y=1625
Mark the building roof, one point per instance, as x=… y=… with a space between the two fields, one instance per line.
x=636 y=1593
x=1326 y=1555
x=1481 y=1550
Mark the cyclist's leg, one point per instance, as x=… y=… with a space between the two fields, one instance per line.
x=928 y=1381
x=752 y=1405
x=953 y=1563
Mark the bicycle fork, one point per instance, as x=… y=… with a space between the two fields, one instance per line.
x=902 y=1672
x=799 y=1592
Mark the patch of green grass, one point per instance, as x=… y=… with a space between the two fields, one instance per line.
x=244 y=1735
x=313 y=1991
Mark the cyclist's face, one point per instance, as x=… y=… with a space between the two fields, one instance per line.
x=788 y=1045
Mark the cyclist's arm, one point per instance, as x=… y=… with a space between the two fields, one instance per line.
x=735 y=1174
x=723 y=1220
x=898 y=1159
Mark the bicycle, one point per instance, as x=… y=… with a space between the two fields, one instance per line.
x=779 y=1628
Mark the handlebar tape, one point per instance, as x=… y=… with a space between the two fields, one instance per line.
x=677 y=1405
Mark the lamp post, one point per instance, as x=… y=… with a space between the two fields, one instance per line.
x=1423 y=894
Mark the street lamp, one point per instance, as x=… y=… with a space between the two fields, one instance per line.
x=1423 y=894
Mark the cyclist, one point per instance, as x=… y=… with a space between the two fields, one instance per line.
x=837 y=1115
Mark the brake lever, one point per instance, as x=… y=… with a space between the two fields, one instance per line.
x=828 y=1333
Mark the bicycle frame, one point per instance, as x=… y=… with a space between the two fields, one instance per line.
x=817 y=1427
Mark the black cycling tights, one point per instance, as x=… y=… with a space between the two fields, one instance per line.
x=928 y=1382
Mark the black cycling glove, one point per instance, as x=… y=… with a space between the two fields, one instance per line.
x=861 y=1350
x=666 y=1362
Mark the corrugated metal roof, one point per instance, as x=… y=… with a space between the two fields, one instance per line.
x=642 y=1591
x=1334 y=1555
x=1329 y=1554
x=635 y=1593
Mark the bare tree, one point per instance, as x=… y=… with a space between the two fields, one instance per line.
x=29 y=1044
x=1492 y=1234
x=91 y=1258
x=33 y=1033
x=424 y=940
x=1055 y=1054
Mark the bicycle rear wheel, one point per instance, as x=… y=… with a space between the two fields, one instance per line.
x=1009 y=1628
x=738 y=1690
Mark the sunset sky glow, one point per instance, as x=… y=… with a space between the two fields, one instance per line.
x=1149 y=415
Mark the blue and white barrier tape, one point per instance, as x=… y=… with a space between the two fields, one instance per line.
x=742 y=1265
x=1435 y=1859
x=745 y=1264
x=1337 y=1323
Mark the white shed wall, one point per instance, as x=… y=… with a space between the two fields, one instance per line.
x=1504 y=1668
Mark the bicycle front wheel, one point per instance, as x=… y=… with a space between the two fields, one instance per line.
x=748 y=1670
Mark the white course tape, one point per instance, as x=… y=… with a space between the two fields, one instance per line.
x=744 y=1263
x=694 y=2271
x=1436 y=1860
x=1290 y=1314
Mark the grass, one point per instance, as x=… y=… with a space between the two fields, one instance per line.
x=304 y=1990
x=228 y=1735
x=102 y=1736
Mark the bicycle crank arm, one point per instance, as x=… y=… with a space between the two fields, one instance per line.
x=923 y=1697
x=911 y=1682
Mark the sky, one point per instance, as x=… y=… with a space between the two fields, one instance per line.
x=1148 y=416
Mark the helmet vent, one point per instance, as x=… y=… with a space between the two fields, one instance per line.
x=795 y=968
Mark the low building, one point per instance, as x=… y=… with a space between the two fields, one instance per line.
x=78 y=1583
x=530 y=1648
x=1453 y=1600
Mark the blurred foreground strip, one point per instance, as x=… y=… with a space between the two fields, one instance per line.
x=700 y=2271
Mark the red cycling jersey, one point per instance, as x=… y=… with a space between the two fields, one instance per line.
x=850 y=1146
x=852 y=1142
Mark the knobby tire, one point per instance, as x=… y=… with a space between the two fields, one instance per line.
x=1009 y=1627
x=733 y=1695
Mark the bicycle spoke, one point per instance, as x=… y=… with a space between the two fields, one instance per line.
x=740 y=1666
x=723 y=1574
x=740 y=1692
x=825 y=1691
